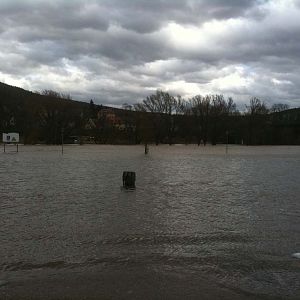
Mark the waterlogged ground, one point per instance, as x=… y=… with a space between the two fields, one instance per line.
x=200 y=225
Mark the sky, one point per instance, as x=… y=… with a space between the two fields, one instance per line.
x=120 y=51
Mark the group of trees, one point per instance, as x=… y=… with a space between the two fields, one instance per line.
x=159 y=118
x=55 y=94
x=169 y=114
x=210 y=118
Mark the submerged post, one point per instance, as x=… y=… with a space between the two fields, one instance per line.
x=128 y=179
x=227 y=141
x=62 y=140
x=146 y=148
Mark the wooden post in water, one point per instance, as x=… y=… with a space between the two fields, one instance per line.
x=146 y=148
x=62 y=140
x=128 y=180
x=227 y=133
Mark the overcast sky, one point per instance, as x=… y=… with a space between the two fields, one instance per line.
x=118 y=51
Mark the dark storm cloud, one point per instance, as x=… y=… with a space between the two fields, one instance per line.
x=117 y=51
x=147 y=16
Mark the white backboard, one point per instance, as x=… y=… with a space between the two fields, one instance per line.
x=12 y=137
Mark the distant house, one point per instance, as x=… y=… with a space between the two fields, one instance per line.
x=110 y=116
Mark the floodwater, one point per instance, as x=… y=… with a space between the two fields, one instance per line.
x=199 y=225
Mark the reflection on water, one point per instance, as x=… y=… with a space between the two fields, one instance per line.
x=233 y=220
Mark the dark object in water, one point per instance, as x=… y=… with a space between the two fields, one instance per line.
x=128 y=179
x=146 y=148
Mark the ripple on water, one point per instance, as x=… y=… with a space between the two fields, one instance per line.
x=233 y=219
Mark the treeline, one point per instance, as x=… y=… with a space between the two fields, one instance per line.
x=160 y=118
x=214 y=119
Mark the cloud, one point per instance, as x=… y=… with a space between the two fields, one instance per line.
x=117 y=51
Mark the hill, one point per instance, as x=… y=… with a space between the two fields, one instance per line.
x=39 y=118
x=43 y=118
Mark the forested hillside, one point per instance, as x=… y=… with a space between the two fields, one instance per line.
x=160 y=118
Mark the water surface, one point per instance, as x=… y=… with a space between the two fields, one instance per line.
x=200 y=224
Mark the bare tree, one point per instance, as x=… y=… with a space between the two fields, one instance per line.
x=256 y=107
x=278 y=107
x=162 y=105
x=199 y=109
x=256 y=112
x=230 y=107
x=54 y=94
